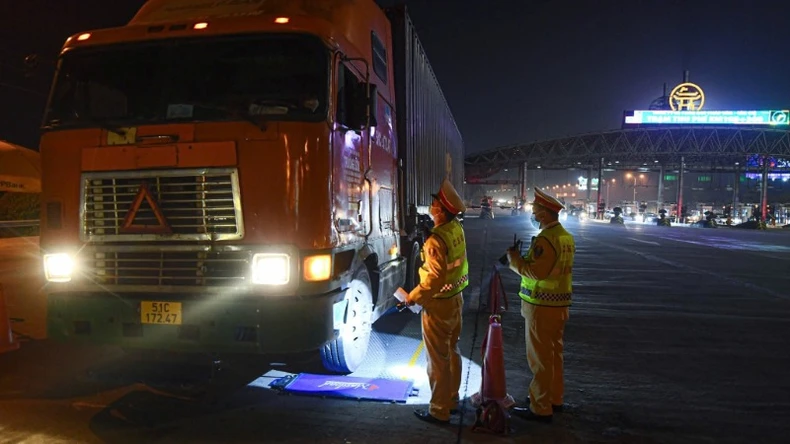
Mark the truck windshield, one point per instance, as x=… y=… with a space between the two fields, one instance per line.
x=273 y=77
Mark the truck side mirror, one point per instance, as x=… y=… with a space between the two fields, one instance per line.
x=355 y=116
x=373 y=105
x=362 y=112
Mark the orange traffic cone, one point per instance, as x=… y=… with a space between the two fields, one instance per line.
x=492 y=388
x=7 y=342
x=493 y=401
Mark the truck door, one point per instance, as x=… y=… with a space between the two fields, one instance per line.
x=352 y=193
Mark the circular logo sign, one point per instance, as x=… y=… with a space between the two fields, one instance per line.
x=780 y=117
x=686 y=97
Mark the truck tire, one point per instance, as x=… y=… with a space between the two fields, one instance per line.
x=413 y=267
x=346 y=353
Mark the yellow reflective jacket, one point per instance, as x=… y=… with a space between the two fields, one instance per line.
x=556 y=289
x=456 y=268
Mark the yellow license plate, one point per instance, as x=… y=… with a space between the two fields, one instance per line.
x=154 y=312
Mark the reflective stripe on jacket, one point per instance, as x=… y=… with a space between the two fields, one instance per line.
x=557 y=289
x=457 y=276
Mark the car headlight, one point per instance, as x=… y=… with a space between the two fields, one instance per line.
x=58 y=267
x=271 y=269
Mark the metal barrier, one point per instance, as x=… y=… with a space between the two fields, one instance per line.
x=19 y=223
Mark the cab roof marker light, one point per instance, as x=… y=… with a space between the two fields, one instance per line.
x=84 y=36
x=282 y=20
x=200 y=25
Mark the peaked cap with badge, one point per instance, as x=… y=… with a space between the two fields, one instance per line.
x=547 y=201
x=449 y=198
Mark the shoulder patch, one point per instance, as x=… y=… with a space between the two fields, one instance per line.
x=537 y=251
x=432 y=252
x=436 y=241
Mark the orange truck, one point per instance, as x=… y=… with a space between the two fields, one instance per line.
x=240 y=177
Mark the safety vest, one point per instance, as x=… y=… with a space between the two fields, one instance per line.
x=457 y=275
x=557 y=289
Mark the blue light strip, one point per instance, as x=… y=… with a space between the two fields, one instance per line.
x=773 y=118
x=771 y=176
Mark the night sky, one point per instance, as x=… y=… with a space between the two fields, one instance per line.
x=513 y=70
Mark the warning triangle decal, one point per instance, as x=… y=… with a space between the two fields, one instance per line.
x=129 y=226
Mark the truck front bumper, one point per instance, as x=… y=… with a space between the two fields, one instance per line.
x=222 y=324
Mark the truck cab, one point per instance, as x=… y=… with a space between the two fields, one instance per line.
x=226 y=177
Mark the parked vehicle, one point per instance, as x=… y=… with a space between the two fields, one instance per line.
x=240 y=177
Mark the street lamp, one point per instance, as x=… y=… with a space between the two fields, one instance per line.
x=629 y=175
x=608 y=183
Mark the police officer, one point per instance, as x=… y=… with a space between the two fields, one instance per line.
x=546 y=291
x=443 y=276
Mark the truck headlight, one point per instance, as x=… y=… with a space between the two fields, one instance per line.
x=317 y=268
x=58 y=267
x=271 y=268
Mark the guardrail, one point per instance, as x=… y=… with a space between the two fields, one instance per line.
x=19 y=223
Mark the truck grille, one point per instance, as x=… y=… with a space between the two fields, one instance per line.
x=175 y=268
x=198 y=204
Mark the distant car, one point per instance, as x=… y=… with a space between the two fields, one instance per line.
x=722 y=220
x=649 y=217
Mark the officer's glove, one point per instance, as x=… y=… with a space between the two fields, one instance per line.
x=513 y=255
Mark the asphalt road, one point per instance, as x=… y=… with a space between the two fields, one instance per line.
x=676 y=335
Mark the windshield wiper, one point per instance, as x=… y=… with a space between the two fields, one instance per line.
x=103 y=124
x=277 y=102
x=78 y=120
x=259 y=123
x=99 y=123
x=310 y=104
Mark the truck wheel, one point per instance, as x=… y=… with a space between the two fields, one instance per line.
x=346 y=353
x=413 y=267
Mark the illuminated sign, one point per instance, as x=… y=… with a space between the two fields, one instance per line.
x=686 y=97
x=582 y=184
x=756 y=161
x=776 y=118
x=784 y=177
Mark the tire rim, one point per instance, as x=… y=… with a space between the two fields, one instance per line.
x=415 y=272
x=355 y=333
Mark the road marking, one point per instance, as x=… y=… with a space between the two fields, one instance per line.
x=741 y=247
x=644 y=241
x=720 y=276
x=416 y=354
x=413 y=360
